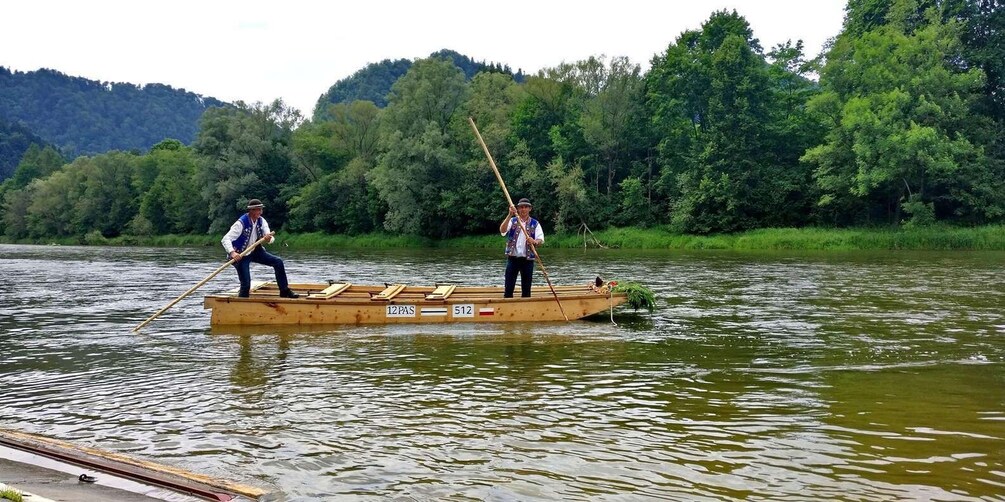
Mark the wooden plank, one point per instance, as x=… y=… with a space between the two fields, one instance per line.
x=172 y=478
x=331 y=291
x=388 y=293
x=255 y=285
x=441 y=292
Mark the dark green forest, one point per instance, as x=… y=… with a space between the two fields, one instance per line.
x=14 y=141
x=897 y=124
x=86 y=117
x=374 y=82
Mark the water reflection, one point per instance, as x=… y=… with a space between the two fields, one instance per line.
x=763 y=376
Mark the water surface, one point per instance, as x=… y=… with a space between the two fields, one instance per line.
x=764 y=376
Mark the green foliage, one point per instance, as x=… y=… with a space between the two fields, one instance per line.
x=639 y=296
x=86 y=117
x=37 y=162
x=419 y=168
x=169 y=201
x=984 y=46
x=718 y=138
x=921 y=213
x=247 y=151
x=373 y=82
x=15 y=140
x=904 y=128
x=727 y=121
x=11 y=494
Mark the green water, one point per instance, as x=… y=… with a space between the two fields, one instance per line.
x=763 y=376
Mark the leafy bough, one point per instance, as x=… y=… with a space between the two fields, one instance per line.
x=639 y=296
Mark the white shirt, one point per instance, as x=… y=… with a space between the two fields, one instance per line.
x=235 y=232
x=521 y=238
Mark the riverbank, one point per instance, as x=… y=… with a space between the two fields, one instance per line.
x=984 y=238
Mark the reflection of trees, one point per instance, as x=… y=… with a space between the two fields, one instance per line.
x=252 y=372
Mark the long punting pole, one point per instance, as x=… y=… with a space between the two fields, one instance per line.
x=530 y=240
x=204 y=281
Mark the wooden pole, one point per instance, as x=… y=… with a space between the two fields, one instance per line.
x=204 y=281
x=530 y=240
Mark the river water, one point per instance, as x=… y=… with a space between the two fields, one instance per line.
x=762 y=376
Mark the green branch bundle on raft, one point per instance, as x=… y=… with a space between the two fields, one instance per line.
x=639 y=296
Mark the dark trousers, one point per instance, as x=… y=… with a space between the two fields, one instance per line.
x=260 y=255
x=525 y=268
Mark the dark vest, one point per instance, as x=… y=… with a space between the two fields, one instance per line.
x=514 y=233
x=245 y=238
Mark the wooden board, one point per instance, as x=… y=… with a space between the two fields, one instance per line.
x=331 y=291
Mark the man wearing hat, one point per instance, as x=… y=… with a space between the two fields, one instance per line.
x=246 y=231
x=519 y=252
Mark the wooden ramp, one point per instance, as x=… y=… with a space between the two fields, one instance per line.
x=114 y=464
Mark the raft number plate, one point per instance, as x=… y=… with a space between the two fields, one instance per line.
x=464 y=310
x=399 y=310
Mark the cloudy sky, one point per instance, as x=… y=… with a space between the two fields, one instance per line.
x=254 y=50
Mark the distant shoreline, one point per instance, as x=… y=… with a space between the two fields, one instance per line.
x=983 y=238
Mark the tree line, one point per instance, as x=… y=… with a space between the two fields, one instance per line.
x=899 y=122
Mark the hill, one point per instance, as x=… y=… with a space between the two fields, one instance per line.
x=374 y=81
x=14 y=141
x=82 y=116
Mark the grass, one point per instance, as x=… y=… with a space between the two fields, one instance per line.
x=9 y=493
x=941 y=237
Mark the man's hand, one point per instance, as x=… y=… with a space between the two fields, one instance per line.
x=234 y=255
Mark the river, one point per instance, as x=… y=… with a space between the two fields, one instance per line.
x=762 y=376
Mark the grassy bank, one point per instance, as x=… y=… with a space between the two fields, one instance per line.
x=930 y=238
x=991 y=237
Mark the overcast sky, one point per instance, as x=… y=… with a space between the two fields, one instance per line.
x=254 y=50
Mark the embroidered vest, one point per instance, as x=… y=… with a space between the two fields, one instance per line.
x=514 y=234
x=245 y=238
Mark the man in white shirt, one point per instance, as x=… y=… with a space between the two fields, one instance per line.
x=246 y=231
x=519 y=252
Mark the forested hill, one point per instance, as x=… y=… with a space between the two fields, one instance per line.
x=82 y=116
x=14 y=141
x=373 y=82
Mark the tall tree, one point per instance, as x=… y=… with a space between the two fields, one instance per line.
x=339 y=153
x=168 y=192
x=613 y=119
x=492 y=101
x=248 y=155
x=418 y=170
x=903 y=136
x=713 y=97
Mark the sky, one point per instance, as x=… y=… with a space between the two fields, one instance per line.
x=294 y=50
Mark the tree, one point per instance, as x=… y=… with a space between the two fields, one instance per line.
x=36 y=163
x=713 y=99
x=419 y=167
x=613 y=120
x=247 y=151
x=903 y=135
x=168 y=192
x=478 y=198
x=108 y=201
